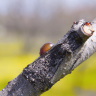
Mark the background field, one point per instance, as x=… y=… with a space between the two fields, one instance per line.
x=25 y=25
x=81 y=82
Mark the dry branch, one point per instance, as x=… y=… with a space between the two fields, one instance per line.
x=76 y=46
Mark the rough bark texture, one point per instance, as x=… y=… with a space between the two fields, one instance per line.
x=60 y=60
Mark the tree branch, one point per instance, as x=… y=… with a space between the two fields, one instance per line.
x=77 y=45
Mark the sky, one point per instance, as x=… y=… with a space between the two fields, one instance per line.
x=30 y=5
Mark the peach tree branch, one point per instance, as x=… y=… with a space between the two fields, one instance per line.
x=76 y=46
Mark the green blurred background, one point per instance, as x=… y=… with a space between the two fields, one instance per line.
x=25 y=25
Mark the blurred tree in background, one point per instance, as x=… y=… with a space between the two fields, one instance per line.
x=48 y=20
x=26 y=25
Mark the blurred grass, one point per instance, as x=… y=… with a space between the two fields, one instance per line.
x=11 y=66
x=12 y=62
